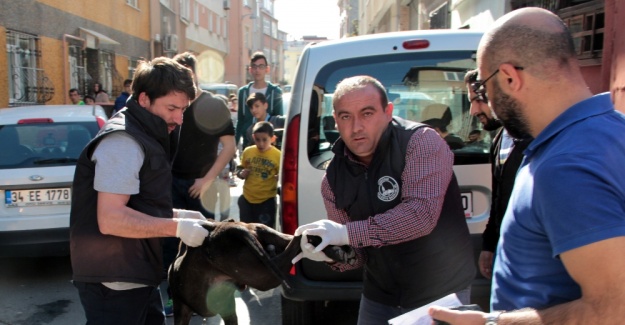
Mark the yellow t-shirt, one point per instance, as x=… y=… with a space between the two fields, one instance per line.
x=261 y=183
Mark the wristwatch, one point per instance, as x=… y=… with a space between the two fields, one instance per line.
x=493 y=318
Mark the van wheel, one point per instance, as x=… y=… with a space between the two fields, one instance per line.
x=301 y=312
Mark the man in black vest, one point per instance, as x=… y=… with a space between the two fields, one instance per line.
x=390 y=193
x=121 y=202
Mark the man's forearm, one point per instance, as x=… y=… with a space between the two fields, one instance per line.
x=576 y=312
x=224 y=157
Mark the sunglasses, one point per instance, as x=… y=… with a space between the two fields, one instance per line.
x=479 y=86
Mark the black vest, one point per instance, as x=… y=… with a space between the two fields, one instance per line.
x=413 y=273
x=105 y=258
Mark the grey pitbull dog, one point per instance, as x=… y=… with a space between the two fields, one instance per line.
x=235 y=255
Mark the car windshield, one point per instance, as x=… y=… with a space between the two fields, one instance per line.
x=41 y=144
x=426 y=87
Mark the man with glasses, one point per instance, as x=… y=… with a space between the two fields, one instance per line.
x=258 y=69
x=506 y=156
x=560 y=257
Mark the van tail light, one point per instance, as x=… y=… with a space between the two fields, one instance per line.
x=288 y=189
x=416 y=44
x=100 y=121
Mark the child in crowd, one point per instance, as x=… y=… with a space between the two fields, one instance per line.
x=257 y=102
x=259 y=168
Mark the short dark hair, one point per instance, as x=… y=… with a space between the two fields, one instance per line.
x=475 y=132
x=255 y=97
x=73 y=90
x=263 y=127
x=257 y=56
x=89 y=97
x=127 y=82
x=187 y=59
x=350 y=84
x=161 y=76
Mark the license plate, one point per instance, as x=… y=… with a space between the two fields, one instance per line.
x=467 y=204
x=39 y=197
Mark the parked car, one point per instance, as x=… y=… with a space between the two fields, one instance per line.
x=423 y=73
x=39 y=147
x=219 y=88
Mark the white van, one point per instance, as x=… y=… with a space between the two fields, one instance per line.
x=423 y=72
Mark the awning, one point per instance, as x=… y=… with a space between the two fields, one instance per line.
x=94 y=38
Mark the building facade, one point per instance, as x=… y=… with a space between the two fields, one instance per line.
x=56 y=45
x=596 y=26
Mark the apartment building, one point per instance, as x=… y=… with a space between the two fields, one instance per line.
x=55 y=45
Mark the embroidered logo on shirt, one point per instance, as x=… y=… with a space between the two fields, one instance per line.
x=388 y=189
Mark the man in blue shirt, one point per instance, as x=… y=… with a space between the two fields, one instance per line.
x=120 y=102
x=560 y=256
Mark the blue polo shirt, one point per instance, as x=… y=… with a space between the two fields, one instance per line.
x=569 y=192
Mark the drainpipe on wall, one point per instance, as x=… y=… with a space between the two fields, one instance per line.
x=66 y=59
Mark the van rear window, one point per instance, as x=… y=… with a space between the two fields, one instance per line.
x=424 y=87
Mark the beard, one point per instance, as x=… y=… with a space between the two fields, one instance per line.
x=492 y=124
x=510 y=113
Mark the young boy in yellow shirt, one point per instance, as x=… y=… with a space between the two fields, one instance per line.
x=259 y=168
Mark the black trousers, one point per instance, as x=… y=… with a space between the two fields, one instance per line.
x=104 y=306
x=264 y=212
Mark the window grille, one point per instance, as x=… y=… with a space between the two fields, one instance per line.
x=28 y=84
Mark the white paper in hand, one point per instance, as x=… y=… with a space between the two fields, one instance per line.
x=420 y=315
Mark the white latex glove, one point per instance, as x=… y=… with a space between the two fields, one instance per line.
x=190 y=232
x=331 y=233
x=189 y=214
x=308 y=252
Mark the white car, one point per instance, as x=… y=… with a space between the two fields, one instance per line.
x=423 y=73
x=39 y=147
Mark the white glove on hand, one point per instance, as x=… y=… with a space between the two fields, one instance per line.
x=331 y=233
x=190 y=232
x=189 y=214
x=308 y=252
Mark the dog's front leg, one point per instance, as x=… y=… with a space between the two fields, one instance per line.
x=182 y=313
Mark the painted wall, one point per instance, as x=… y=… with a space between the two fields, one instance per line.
x=4 y=73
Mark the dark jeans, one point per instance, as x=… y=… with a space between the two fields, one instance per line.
x=374 y=313
x=182 y=200
x=264 y=212
x=106 y=306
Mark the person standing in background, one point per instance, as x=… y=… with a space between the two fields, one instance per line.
x=506 y=156
x=273 y=94
x=74 y=96
x=120 y=101
x=259 y=168
x=100 y=94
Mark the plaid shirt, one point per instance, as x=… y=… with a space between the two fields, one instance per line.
x=426 y=175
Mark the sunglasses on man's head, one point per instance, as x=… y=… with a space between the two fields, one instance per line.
x=479 y=86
